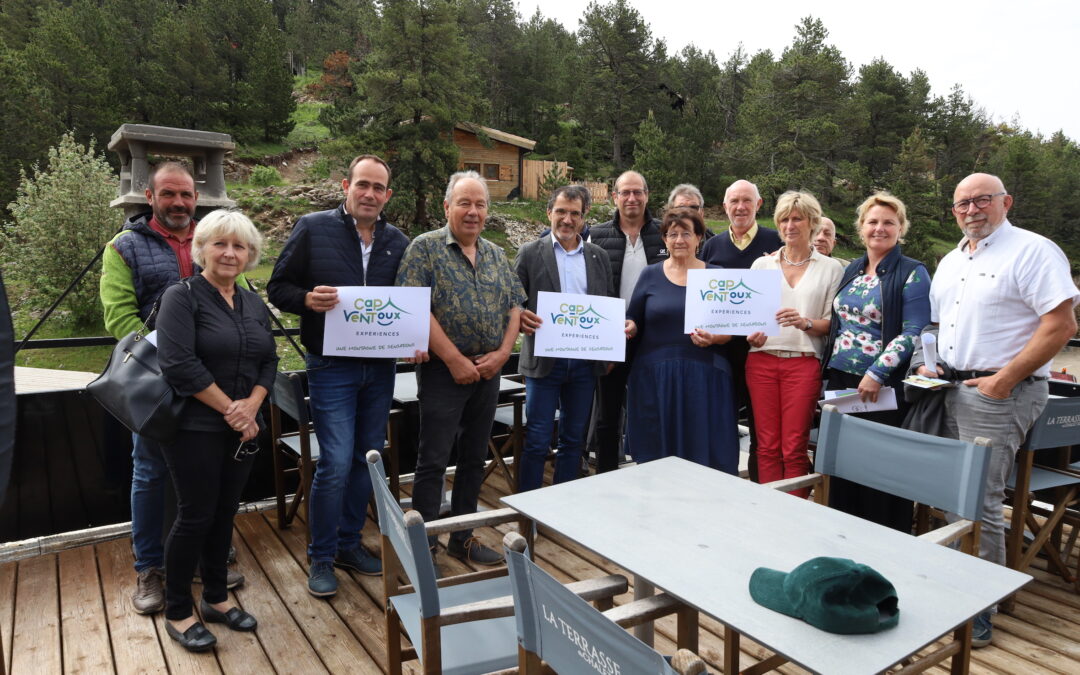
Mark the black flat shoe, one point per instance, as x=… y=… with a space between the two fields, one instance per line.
x=194 y=639
x=235 y=618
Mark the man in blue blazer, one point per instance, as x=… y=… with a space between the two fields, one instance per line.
x=562 y=262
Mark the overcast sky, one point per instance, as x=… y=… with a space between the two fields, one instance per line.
x=1015 y=59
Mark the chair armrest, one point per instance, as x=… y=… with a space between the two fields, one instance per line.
x=686 y=662
x=788 y=484
x=643 y=610
x=472 y=520
x=949 y=533
x=587 y=589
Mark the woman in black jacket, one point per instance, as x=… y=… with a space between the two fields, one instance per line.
x=880 y=309
x=215 y=346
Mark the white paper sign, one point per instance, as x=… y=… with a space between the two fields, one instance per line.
x=378 y=322
x=580 y=327
x=732 y=302
x=847 y=400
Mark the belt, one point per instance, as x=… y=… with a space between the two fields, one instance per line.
x=785 y=354
x=972 y=374
x=962 y=375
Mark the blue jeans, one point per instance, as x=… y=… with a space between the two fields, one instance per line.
x=148 y=475
x=350 y=404
x=569 y=387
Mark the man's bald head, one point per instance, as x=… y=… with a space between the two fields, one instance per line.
x=741 y=203
x=975 y=221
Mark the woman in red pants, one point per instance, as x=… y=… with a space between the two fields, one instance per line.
x=783 y=372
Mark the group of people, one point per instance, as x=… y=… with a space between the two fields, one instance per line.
x=1002 y=302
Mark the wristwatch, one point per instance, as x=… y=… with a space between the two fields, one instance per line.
x=809 y=325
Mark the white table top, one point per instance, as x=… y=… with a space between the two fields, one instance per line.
x=405 y=387
x=699 y=534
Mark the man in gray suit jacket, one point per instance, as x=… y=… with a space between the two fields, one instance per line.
x=561 y=263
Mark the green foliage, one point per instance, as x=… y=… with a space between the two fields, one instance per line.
x=553 y=179
x=619 y=62
x=654 y=160
x=61 y=219
x=264 y=176
x=410 y=91
x=24 y=117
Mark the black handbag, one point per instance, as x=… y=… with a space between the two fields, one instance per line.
x=134 y=391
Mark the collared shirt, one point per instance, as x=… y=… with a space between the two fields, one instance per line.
x=571 y=265
x=365 y=249
x=471 y=303
x=742 y=242
x=181 y=247
x=634 y=261
x=988 y=297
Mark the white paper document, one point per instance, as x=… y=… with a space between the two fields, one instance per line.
x=732 y=302
x=579 y=326
x=378 y=322
x=847 y=400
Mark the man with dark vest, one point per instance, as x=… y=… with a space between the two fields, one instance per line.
x=632 y=241
x=151 y=253
x=738 y=248
x=351 y=245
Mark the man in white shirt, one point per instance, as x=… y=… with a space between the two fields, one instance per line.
x=1003 y=300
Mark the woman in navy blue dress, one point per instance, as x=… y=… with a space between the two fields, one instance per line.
x=680 y=399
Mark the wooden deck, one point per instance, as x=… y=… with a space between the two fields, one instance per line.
x=70 y=612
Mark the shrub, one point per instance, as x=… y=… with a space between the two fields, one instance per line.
x=62 y=219
x=264 y=176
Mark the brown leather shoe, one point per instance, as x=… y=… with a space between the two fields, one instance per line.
x=149 y=596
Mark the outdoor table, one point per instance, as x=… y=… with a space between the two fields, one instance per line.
x=699 y=534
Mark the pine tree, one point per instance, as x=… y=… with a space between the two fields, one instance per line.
x=61 y=219
x=410 y=91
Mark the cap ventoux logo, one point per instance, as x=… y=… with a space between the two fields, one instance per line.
x=577 y=316
x=727 y=290
x=374 y=311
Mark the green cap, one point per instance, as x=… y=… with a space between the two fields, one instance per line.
x=834 y=594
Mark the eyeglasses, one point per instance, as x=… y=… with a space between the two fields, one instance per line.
x=246 y=449
x=631 y=193
x=980 y=202
x=680 y=234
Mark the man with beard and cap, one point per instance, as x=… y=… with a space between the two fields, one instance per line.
x=1003 y=302
x=151 y=253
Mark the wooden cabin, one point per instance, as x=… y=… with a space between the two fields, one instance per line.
x=495 y=155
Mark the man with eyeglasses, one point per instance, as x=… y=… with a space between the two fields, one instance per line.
x=738 y=248
x=688 y=196
x=632 y=241
x=1003 y=301
x=352 y=245
x=561 y=263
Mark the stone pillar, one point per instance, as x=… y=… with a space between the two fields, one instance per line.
x=137 y=144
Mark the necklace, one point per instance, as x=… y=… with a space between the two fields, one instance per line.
x=783 y=254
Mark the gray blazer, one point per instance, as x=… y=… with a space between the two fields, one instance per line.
x=536 y=267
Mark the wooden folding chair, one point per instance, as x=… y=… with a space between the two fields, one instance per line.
x=294 y=451
x=942 y=473
x=461 y=624
x=557 y=627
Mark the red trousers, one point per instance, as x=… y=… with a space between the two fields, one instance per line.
x=784 y=392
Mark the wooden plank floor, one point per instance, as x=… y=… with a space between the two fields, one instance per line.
x=71 y=612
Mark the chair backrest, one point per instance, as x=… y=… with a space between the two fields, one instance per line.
x=568 y=633
x=289 y=397
x=1058 y=425
x=406 y=533
x=941 y=472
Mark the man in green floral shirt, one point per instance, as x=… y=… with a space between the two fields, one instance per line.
x=475 y=306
